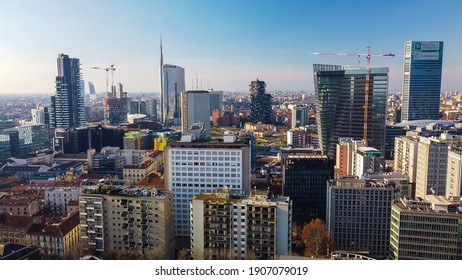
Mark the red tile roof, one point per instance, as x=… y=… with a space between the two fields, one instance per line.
x=15 y=221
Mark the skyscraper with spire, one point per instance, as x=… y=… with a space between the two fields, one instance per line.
x=172 y=83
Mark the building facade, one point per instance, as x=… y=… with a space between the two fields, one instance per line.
x=423 y=61
x=304 y=181
x=227 y=226
x=195 y=108
x=116 y=217
x=432 y=160
x=340 y=98
x=260 y=103
x=358 y=216
x=191 y=168
x=67 y=105
x=454 y=172
x=426 y=229
x=405 y=156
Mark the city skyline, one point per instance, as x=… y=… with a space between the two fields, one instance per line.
x=226 y=44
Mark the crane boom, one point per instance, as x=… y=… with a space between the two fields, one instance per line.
x=367 y=83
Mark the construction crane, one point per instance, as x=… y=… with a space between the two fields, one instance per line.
x=107 y=69
x=368 y=74
x=139 y=134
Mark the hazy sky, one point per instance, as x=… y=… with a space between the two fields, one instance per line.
x=227 y=43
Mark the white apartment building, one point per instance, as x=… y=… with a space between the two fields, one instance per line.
x=57 y=198
x=192 y=168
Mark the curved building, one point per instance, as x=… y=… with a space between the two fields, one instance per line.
x=340 y=92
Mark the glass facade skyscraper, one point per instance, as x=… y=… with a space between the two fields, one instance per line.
x=340 y=92
x=423 y=62
x=67 y=105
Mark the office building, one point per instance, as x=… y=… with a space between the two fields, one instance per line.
x=67 y=105
x=340 y=94
x=192 y=168
x=172 y=83
x=454 y=172
x=115 y=106
x=116 y=217
x=423 y=62
x=432 y=160
x=405 y=156
x=358 y=216
x=27 y=139
x=195 y=108
x=92 y=90
x=228 y=226
x=305 y=179
x=216 y=100
x=300 y=115
x=5 y=146
x=426 y=229
x=260 y=103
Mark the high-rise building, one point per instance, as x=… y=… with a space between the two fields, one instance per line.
x=216 y=101
x=195 y=108
x=423 y=61
x=304 y=180
x=67 y=108
x=405 y=156
x=115 y=104
x=358 y=215
x=38 y=115
x=300 y=116
x=172 y=83
x=432 y=160
x=260 y=103
x=454 y=172
x=227 y=226
x=116 y=217
x=192 y=168
x=340 y=98
x=400 y=182
x=426 y=229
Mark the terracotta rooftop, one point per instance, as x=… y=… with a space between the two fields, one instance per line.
x=57 y=229
x=73 y=203
x=15 y=221
x=9 y=201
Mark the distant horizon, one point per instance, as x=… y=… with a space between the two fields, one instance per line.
x=226 y=44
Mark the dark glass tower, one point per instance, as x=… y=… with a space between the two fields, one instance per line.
x=67 y=108
x=260 y=103
x=305 y=179
x=423 y=61
x=340 y=95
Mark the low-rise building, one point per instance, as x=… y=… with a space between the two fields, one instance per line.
x=19 y=207
x=14 y=228
x=57 y=237
x=136 y=173
x=57 y=198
